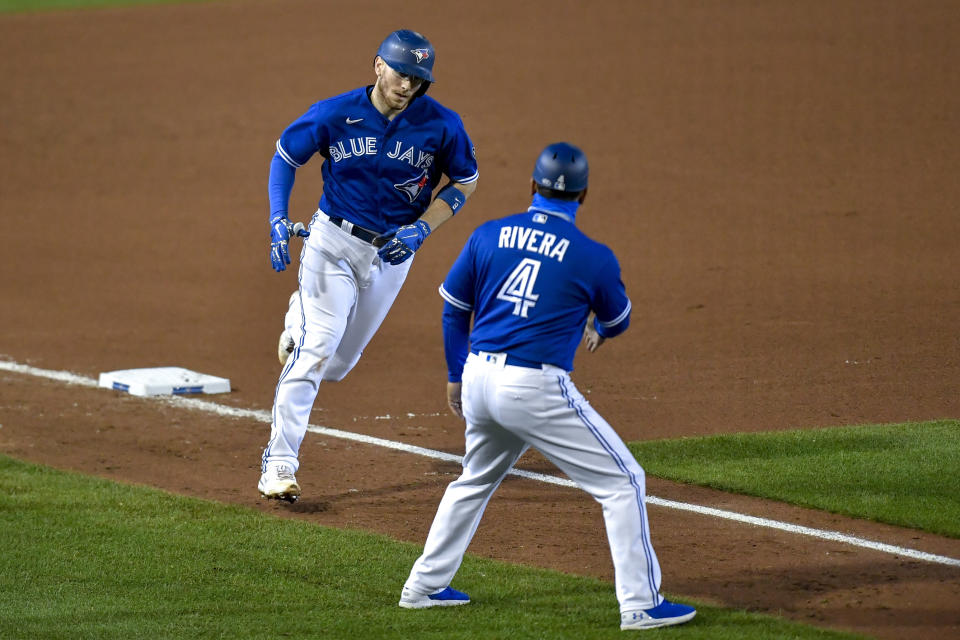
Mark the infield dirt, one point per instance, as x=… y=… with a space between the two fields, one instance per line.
x=778 y=180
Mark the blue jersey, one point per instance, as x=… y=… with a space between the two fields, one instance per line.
x=378 y=173
x=531 y=280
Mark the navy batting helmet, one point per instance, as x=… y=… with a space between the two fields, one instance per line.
x=562 y=167
x=408 y=52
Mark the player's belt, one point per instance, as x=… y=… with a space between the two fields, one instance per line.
x=364 y=234
x=506 y=358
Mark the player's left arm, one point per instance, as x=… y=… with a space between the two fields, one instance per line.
x=591 y=338
x=448 y=201
x=460 y=162
x=610 y=307
x=408 y=238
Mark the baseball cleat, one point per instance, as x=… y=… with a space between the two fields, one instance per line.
x=664 y=614
x=279 y=483
x=285 y=347
x=448 y=597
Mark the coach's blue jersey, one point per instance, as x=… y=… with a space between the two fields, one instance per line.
x=379 y=173
x=531 y=280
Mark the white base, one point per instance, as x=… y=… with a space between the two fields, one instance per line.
x=159 y=381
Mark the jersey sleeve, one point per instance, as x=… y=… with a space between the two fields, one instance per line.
x=279 y=185
x=456 y=340
x=458 y=287
x=460 y=158
x=303 y=138
x=610 y=301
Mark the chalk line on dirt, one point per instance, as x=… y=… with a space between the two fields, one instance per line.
x=264 y=416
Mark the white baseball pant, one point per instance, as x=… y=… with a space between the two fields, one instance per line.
x=508 y=409
x=345 y=294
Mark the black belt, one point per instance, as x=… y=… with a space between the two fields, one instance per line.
x=364 y=234
x=515 y=361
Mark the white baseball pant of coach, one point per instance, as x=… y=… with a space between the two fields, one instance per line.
x=345 y=293
x=509 y=409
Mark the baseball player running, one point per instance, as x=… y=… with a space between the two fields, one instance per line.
x=384 y=150
x=531 y=282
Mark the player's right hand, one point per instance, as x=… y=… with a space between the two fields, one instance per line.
x=280 y=231
x=454 y=400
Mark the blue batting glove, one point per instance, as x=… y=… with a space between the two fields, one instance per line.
x=280 y=231
x=405 y=242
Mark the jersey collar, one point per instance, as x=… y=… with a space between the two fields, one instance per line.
x=563 y=209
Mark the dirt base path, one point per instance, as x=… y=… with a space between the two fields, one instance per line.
x=345 y=485
x=778 y=181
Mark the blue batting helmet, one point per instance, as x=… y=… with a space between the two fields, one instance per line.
x=562 y=167
x=408 y=52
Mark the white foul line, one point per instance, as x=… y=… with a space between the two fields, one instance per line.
x=264 y=416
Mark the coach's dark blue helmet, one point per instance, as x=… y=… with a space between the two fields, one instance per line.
x=409 y=53
x=562 y=167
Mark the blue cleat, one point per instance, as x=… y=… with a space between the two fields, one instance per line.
x=448 y=597
x=664 y=614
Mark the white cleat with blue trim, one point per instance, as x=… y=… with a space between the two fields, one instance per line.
x=285 y=347
x=448 y=597
x=279 y=483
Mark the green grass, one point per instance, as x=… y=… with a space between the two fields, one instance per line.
x=901 y=474
x=49 y=5
x=88 y=558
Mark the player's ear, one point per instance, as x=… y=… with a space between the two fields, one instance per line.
x=378 y=65
x=583 y=196
x=533 y=187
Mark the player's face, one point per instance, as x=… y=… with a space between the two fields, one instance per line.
x=396 y=90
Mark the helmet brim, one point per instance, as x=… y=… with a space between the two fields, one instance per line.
x=410 y=70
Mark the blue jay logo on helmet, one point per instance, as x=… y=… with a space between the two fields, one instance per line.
x=410 y=53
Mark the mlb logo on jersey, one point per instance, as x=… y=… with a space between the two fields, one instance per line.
x=422 y=54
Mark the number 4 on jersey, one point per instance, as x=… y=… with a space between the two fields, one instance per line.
x=518 y=288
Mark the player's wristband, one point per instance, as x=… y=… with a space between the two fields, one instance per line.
x=452 y=196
